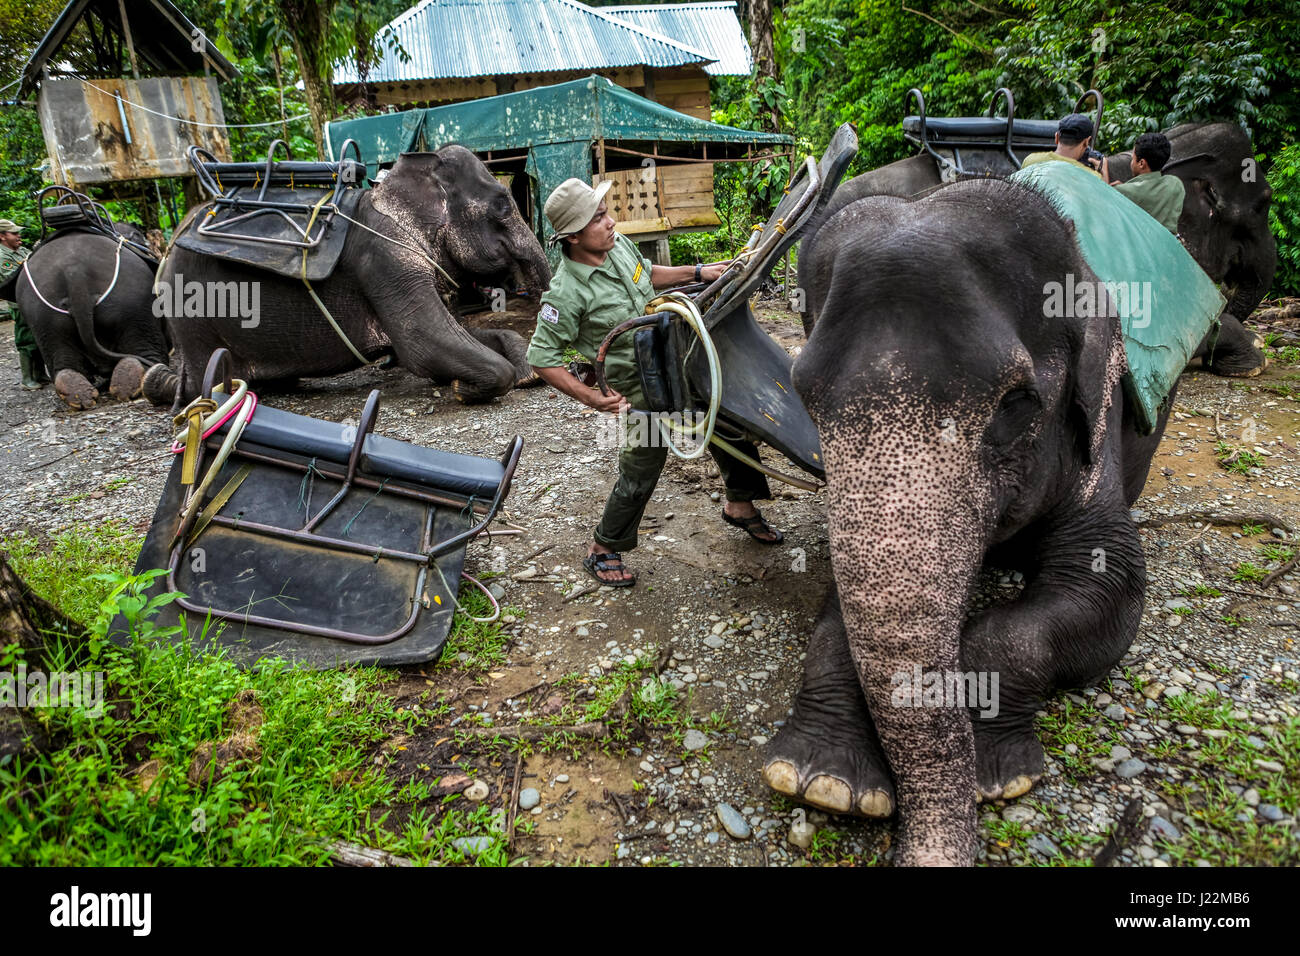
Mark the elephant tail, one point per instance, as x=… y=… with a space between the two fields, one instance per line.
x=160 y=384
x=81 y=307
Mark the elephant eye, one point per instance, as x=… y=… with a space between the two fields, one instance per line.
x=1014 y=415
x=1212 y=194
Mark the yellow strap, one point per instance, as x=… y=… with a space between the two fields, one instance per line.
x=219 y=502
x=191 y=418
x=315 y=298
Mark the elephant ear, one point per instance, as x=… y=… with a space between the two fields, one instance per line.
x=1097 y=364
x=1196 y=166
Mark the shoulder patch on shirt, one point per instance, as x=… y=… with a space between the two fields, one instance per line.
x=637 y=275
x=550 y=313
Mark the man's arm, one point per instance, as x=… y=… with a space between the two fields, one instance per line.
x=661 y=277
x=559 y=379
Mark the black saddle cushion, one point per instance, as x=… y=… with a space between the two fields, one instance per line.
x=992 y=127
x=467 y=475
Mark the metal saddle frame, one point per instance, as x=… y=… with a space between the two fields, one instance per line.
x=231 y=185
x=368 y=577
x=758 y=401
x=994 y=145
x=73 y=210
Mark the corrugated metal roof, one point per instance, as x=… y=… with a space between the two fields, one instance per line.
x=448 y=39
x=711 y=27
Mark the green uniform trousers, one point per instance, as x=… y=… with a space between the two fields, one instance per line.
x=638 y=473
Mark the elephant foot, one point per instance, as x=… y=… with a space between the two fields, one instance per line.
x=1008 y=759
x=1236 y=352
x=75 y=389
x=836 y=779
x=128 y=377
x=468 y=394
x=159 y=384
x=531 y=380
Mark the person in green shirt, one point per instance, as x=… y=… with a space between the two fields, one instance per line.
x=602 y=280
x=1159 y=195
x=1073 y=143
x=12 y=255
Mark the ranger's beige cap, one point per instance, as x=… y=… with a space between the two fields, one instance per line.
x=8 y=225
x=572 y=206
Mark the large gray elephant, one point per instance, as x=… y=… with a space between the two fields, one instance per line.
x=1224 y=225
x=385 y=296
x=961 y=429
x=88 y=301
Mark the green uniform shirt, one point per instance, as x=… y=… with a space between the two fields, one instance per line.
x=1160 y=195
x=11 y=261
x=1055 y=157
x=584 y=303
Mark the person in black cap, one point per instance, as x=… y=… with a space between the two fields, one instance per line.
x=1073 y=142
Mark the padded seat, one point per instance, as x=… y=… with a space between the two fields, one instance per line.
x=467 y=475
x=301 y=173
x=56 y=217
x=991 y=126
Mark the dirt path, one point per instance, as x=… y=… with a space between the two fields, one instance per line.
x=737 y=615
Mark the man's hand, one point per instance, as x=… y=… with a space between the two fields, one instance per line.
x=612 y=403
x=711 y=271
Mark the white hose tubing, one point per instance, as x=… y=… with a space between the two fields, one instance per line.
x=684 y=307
x=241 y=389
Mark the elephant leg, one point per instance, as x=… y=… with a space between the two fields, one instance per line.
x=827 y=755
x=513 y=348
x=1233 y=351
x=1072 y=624
x=127 y=380
x=75 y=389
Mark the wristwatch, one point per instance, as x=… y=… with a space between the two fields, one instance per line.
x=699 y=276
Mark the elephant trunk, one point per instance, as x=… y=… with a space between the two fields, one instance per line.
x=1249 y=278
x=907 y=530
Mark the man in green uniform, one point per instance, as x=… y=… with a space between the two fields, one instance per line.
x=12 y=254
x=1073 y=140
x=602 y=280
x=1160 y=195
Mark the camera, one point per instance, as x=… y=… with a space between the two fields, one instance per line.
x=1093 y=157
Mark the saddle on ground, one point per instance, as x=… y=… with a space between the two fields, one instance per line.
x=319 y=542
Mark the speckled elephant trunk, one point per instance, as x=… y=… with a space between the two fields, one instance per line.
x=907 y=523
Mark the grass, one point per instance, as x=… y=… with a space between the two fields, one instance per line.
x=137 y=785
x=1064 y=724
x=1237 y=461
x=1246 y=572
x=1251 y=530
x=484 y=642
x=1201 y=590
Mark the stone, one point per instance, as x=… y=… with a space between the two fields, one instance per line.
x=1114 y=712
x=1187 y=729
x=1162 y=829
x=1272 y=766
x=497 y=591
x=529 y=798
x=1103 y=700
x=1270 y=813
x=1120 y=753
x=472 y=845
x=561 y=778
x=478 y=790
x=1018 y=813
x=1251 y=797
x=713 y=641
x=735 y=825
x=695 y=740
x=1042 y=845
x=1130 y=768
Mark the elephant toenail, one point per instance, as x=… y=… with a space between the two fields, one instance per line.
x=1017 y=787
x=876 y=804
x=782 y=777
x=829 y=794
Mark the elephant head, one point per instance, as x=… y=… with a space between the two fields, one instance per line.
x=467 y=217
x=954 y=414
x=1225 y=212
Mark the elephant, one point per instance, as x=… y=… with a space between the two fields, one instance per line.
x=961 y=431
x=1224 y=225
x=386 y=296
x=86 y=342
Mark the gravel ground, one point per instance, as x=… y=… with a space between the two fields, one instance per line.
x=1203 y=780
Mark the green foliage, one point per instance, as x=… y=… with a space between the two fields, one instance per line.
x=1284 y=219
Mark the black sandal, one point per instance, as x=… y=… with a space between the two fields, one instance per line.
x=752 y=524
x=601 y=562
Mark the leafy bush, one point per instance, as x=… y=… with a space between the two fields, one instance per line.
x=1284 y=219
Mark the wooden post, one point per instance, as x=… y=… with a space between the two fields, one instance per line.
x=130 y=44
x=600 y=157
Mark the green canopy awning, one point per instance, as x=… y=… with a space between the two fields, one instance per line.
x=556 y=124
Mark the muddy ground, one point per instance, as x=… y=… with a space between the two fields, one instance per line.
x=736 y=616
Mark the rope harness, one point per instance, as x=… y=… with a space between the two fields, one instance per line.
x=117 y=268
